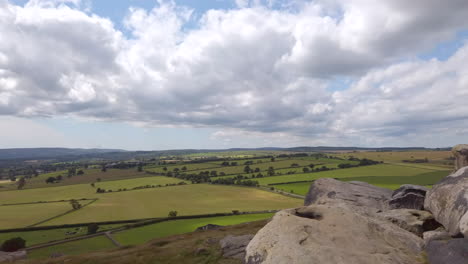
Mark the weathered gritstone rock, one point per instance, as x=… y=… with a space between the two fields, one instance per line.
x=435 y=235
x=234 y=246
x=408 y=196
x=454 y=251
x=356 y=193
x=337 y=233
x=448 y=202
x=461 y=156
x=414 y=221
x=12 y=256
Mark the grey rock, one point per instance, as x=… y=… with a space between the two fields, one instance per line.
x=448 y=202
x=12 y=256
x=414 y=221
x=234 y=246
x=337 y=233
x=408 y=196
x=454 y=251
x=208 y=227
x=439 y=234
x=327 y=190
x=461 y=156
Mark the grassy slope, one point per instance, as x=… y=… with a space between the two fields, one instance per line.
x=143 y=234
x=73 y=248
x=24 y=215
x=168 y=250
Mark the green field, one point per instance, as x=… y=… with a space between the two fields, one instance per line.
x=143 y=234
x=145 y=203
x=382 y=170
x=89 y=176
x=187 y=200
x=43 y=236
x=131 y=183
x=73 y=248
x=14 y=216
x=424 y=179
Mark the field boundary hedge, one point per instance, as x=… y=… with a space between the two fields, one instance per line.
x=45 y=202
x=141 y=221
x=63 y=214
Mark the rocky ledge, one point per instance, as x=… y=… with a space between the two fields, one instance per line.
x=357 y=223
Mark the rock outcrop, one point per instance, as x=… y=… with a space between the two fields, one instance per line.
x=454 y=251
x=342 y=223
x=12 y=256
x=360 y=194
x=408 y=196
x=415 y=221
x=335 y=234
x=234 y=246
x=448 y=202
x=460 y=152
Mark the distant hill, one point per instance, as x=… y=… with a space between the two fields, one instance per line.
x=50 y=153
x=69 y=154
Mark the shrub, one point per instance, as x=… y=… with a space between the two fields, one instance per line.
x=172 y=213
x=13 y=244
x=93 y=228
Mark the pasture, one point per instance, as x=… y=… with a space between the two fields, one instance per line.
x=381 y=170
x=143 y=234
x=13 y=216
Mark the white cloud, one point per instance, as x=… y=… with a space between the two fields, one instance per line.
x=254 y=68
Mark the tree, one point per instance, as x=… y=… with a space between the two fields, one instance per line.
x=305 y=170
x=98 y=179
x=164 y=168
x=140 y=167
x=272 y=159
x=75 y=204
x=184 y=168
x=59 y=178
x=172 y=213
x=51 y=180
x=271 y=171
x=13 y=244
x=247 y=169
x=93 y=228
x=80 y=172
x=103 y=169
x=311 y=166
x=21 y=183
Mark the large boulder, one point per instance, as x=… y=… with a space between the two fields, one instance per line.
x=454 y=251
x=461 y=156
x=337 y=233
x=326 y=190
x=408 y=196
x=234 y=246
x=448 y=202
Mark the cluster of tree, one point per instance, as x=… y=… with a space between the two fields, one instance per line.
x=93 y=228
x=100 y=190
x=362 y=162
x=172 y=214
x=13 y=244
x=235 y=181
x=425 y=160
x=54 y=179
x=227 y=163
x=75 y=204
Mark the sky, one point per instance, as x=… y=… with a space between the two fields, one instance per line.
x=154 y=75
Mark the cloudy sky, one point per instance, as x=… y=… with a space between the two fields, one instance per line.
x=146 y=74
